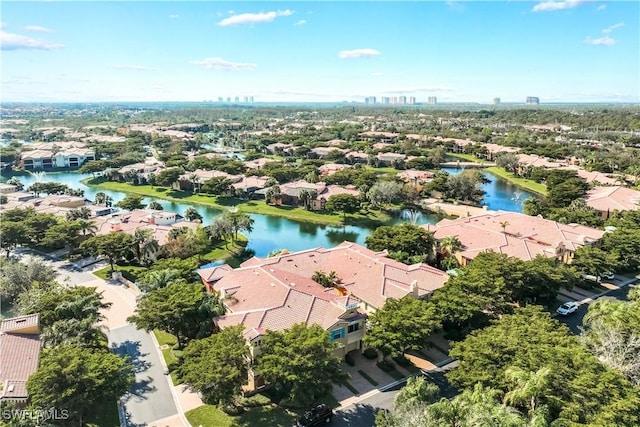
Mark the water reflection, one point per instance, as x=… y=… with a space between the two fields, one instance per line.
x=337 y=236
x=308 y=228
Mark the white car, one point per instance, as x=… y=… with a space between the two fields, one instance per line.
x=608 y=275
x=567 y=308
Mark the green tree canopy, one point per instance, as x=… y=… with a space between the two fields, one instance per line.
x=77 y=379
x=181 y=309
x=216 y=366
x=115 y=245
x=345 y=203
x=400 y=325
x=300 y=362
x=406 y=243
x=131 y=202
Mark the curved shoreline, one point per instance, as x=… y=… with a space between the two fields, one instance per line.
x=525 y=184
x=248 y=206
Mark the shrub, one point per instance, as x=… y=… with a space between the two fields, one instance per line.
x=370 y=353
x=349 y=359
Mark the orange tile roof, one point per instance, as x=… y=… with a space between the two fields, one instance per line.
x=524 y=237
x=606 y=199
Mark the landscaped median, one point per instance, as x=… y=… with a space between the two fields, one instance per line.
x=371 y=217
x=524 y=183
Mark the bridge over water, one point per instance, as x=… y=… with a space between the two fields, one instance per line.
x=466 y=165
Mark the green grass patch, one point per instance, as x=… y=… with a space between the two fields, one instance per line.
x=265 y=415
x=105 y=414
x=467 y=157
x=524 y=183
x=129 y=272
x=165 y=338
x=368 y=378
x=208 y=416
x=351 y=388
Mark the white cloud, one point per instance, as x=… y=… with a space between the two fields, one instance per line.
x=358 y=53
x=38 y=28
x=551 y=5
x=10 y=41
x=377 y=74
x=601 y=7
x=221 y=64
x=253 y=18
x=174 y=16
x=129 y=67
x=613 y=27
x=300 y=22
x=602 y=41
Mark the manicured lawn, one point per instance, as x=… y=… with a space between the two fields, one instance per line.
x=527 y=184
x=467 y=157
x=130 y=272
x=165 y=338
x=248 y=206
x=267 y=415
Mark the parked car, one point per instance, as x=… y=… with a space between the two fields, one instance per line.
x=567 y=308
x=608 y=275
x=319 y=415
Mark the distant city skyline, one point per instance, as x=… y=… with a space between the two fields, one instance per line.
x=454 y=51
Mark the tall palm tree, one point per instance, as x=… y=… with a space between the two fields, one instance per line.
x=146 y=244
x=159 y=279
x=84 y=332
x=504 y=225
x=529 y=387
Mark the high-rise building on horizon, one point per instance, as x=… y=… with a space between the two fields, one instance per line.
x=496 y=101
x=432 y=100
x=533 y=100
x=246 y=99
x=412 y=100
x=251 y=99
x=402 y=100
x=237 y=99
x=229 y=99
x=370 y=100
x=385 y=100
x=220 y=99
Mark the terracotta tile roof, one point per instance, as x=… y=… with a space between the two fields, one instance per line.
x=19 y=360
x=605 y=199
x=367 y=275
x=19 y=323
x=524 y=237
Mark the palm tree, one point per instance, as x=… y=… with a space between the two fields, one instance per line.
x=85 y=226
x=159 y=279
x=504 y=225
x=84 y=332
x=195 y=182
x=146 y=244
x=191 y=214
x=103 y=199
x=304 y=197
x=528 y=386
x=449 y=245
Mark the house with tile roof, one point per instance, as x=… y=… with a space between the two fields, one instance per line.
x=607 y=200
x=516 y=235
x=19 y=355
x=276 y=293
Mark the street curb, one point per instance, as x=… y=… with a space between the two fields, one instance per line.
x=176 y=398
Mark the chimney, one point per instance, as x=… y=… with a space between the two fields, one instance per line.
x=414 y=288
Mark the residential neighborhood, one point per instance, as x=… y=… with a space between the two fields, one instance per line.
x=355 y=257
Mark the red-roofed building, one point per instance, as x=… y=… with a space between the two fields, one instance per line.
x=276 y=293
x=606 y=200
x=515 y=235
x=19 y=355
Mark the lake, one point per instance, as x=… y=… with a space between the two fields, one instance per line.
x=271 y=233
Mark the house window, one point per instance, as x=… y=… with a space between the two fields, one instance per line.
x=353 y=327
x=337 y=334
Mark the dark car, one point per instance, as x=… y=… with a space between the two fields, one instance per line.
x=314 y=417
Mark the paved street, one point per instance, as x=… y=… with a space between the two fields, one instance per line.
x=363 y=412
x=150 y=398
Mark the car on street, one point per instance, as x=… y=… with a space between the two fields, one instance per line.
x=608 y=275
x=567 y=308
x=319 y=415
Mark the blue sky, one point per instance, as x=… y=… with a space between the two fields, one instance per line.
x=459 y=51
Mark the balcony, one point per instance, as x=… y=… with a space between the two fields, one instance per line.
x=355 y=336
